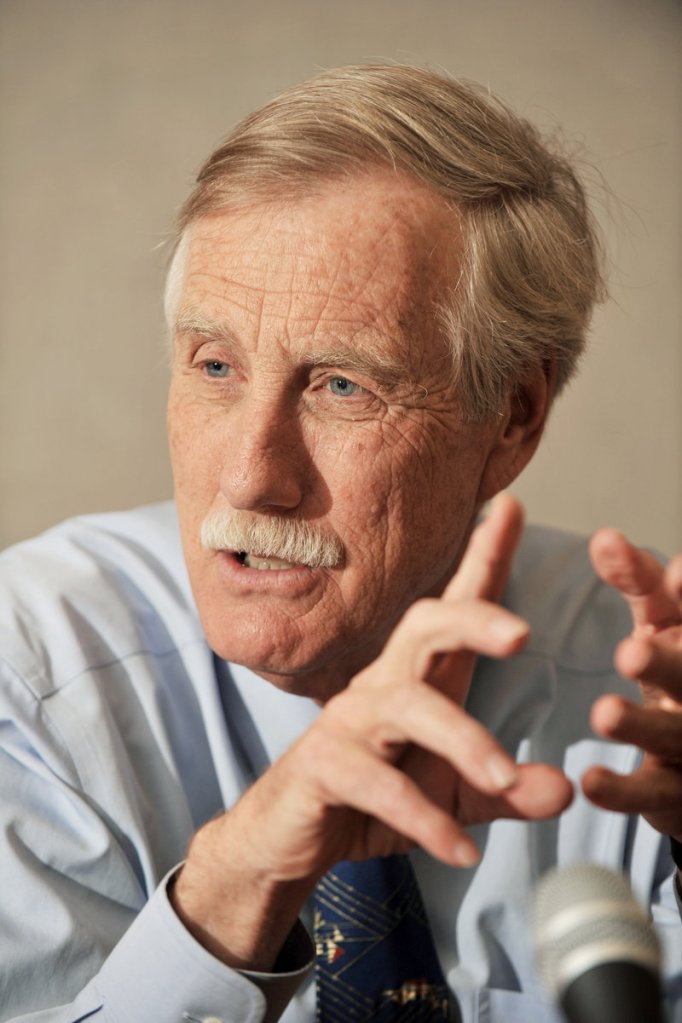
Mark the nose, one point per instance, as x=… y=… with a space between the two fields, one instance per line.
x=265 y=463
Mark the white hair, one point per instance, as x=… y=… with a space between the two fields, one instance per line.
x=530 y=271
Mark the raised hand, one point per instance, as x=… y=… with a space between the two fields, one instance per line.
x=392 y=761
x=652 y=657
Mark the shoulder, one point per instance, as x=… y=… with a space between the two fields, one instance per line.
x=95 y=588
x=107 y=692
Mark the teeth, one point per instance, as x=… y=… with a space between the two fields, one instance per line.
x=262 y=564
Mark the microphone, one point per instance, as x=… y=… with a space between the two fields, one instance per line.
x=596 y=947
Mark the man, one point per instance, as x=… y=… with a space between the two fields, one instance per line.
x=380 y=282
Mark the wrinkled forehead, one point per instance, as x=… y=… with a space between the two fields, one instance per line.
x=383 y=246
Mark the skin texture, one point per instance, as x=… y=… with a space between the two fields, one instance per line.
x=289 y=299
x=310 y=381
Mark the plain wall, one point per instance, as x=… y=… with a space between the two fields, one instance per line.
x=107 y=107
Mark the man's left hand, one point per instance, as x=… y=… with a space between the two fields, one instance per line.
x=651 y=656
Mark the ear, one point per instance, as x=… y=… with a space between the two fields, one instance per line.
x=521 y=425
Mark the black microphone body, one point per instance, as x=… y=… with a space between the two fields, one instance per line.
x=620 y=991
x=597 y=947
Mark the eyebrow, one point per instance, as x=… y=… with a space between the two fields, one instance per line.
x=191 y=323
x=385 y=369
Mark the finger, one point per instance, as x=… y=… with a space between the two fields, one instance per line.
x=541 y=791
x=653 y=730
x=673 y=580
x=381 y=791
x=638 y=576
x=484 y=569
x=645 y=791
x=655 y=661
x=417 y=713
x=432 y=626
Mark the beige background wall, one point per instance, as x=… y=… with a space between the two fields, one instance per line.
x=108 y=106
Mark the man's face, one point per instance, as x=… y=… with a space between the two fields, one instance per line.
x=310 y=382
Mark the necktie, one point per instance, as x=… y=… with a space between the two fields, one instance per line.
x=375 y=954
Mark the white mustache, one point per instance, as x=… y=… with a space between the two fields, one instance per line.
x=292 y=540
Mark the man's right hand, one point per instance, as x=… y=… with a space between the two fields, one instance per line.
x=393 y=761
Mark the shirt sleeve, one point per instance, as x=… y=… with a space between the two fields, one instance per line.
x=80 y=936
x=158 y=971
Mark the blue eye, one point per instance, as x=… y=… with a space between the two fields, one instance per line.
x=343 y=387
x=216 y=369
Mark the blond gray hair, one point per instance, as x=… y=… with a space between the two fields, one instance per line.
x=531 y=269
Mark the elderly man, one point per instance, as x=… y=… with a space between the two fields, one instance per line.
x=380 y=283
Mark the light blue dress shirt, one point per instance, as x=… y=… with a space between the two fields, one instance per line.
x=121 y=733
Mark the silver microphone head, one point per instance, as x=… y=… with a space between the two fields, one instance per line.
x=585 y=915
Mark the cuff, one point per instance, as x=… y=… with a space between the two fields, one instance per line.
x=159 y=971
x=293 y=964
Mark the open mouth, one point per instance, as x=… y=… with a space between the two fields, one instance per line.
x=249 y=560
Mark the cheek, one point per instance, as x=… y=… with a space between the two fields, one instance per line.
x=179 y=423
x=430 y=487
x=371 y=479
x=194 y=455
x=358 y=470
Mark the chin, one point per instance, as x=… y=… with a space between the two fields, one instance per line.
x=318 y=673
x=306 y=648
x=314 y=685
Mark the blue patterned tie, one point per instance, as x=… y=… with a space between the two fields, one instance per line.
x=375 y=954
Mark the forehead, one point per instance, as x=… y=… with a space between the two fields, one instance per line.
x=368 y=253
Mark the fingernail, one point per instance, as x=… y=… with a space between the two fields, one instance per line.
x=466 y=854
x=501 y=771
x=508 y=629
